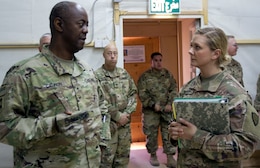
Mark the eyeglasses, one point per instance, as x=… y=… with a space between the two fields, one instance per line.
x=112 y=53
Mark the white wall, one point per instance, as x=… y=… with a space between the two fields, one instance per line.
x=24 y=21
x=241 y=19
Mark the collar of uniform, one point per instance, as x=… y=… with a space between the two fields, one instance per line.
x=111 y=74
x=161 y=72
x=212 y=85
x=57 y=65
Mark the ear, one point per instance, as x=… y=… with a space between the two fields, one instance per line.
x=58 y=24
x=216 y=53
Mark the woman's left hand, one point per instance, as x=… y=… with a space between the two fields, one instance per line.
x=182 y=129
x=175 y=130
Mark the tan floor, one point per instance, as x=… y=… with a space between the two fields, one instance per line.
x=139 y=158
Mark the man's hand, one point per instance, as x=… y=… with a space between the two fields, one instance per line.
x=124 y=119
x=157 y=107
x=168 y=108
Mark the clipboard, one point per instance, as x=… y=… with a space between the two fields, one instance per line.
x=209 y=114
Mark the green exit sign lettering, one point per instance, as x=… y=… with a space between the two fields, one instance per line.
x=164 y=6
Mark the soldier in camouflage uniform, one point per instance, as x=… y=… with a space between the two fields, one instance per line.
x=50 y=104
x=120 y=91
x=157 y=89
x=233 y=66
x=206 y=149
x=257 y=97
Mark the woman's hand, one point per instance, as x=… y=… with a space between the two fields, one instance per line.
x=175 y=130
x=182 y=129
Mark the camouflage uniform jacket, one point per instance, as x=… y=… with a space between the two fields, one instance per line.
x=257 y=97
x=156 y=87
x=235 y=69
x=34 y=97
x=120 y=91
x=224 y=150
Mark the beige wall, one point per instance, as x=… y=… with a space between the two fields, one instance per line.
x=165 y=30
x=174 y=41
x=187 y=28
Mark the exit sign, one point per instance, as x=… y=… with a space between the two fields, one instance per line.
x=164 y=6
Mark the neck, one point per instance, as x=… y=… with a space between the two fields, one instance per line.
x=155 y=69
x=208 y=72
x=61 y=52
x=108 y=68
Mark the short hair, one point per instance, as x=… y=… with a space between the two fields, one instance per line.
x=59 y=10
x=111 y=43
x=154 y=54
x=216 y=39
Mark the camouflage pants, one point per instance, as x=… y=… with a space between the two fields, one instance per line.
x=117 y=152
x=152 y=122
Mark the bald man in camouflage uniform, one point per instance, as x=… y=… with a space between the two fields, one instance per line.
x=157 y=89
x=44 y=40
x=50 y=104
x=120 y=91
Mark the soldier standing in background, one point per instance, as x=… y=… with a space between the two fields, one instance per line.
x=120 y=91
x=157 y=89
x=44 y=40
x=234 y=67
x=206 y=149
x=257 y=97
x=50 y=104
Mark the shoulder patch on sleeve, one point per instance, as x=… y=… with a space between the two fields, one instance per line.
x=251 y=124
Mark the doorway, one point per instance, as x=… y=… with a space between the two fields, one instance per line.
x=171 y=37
